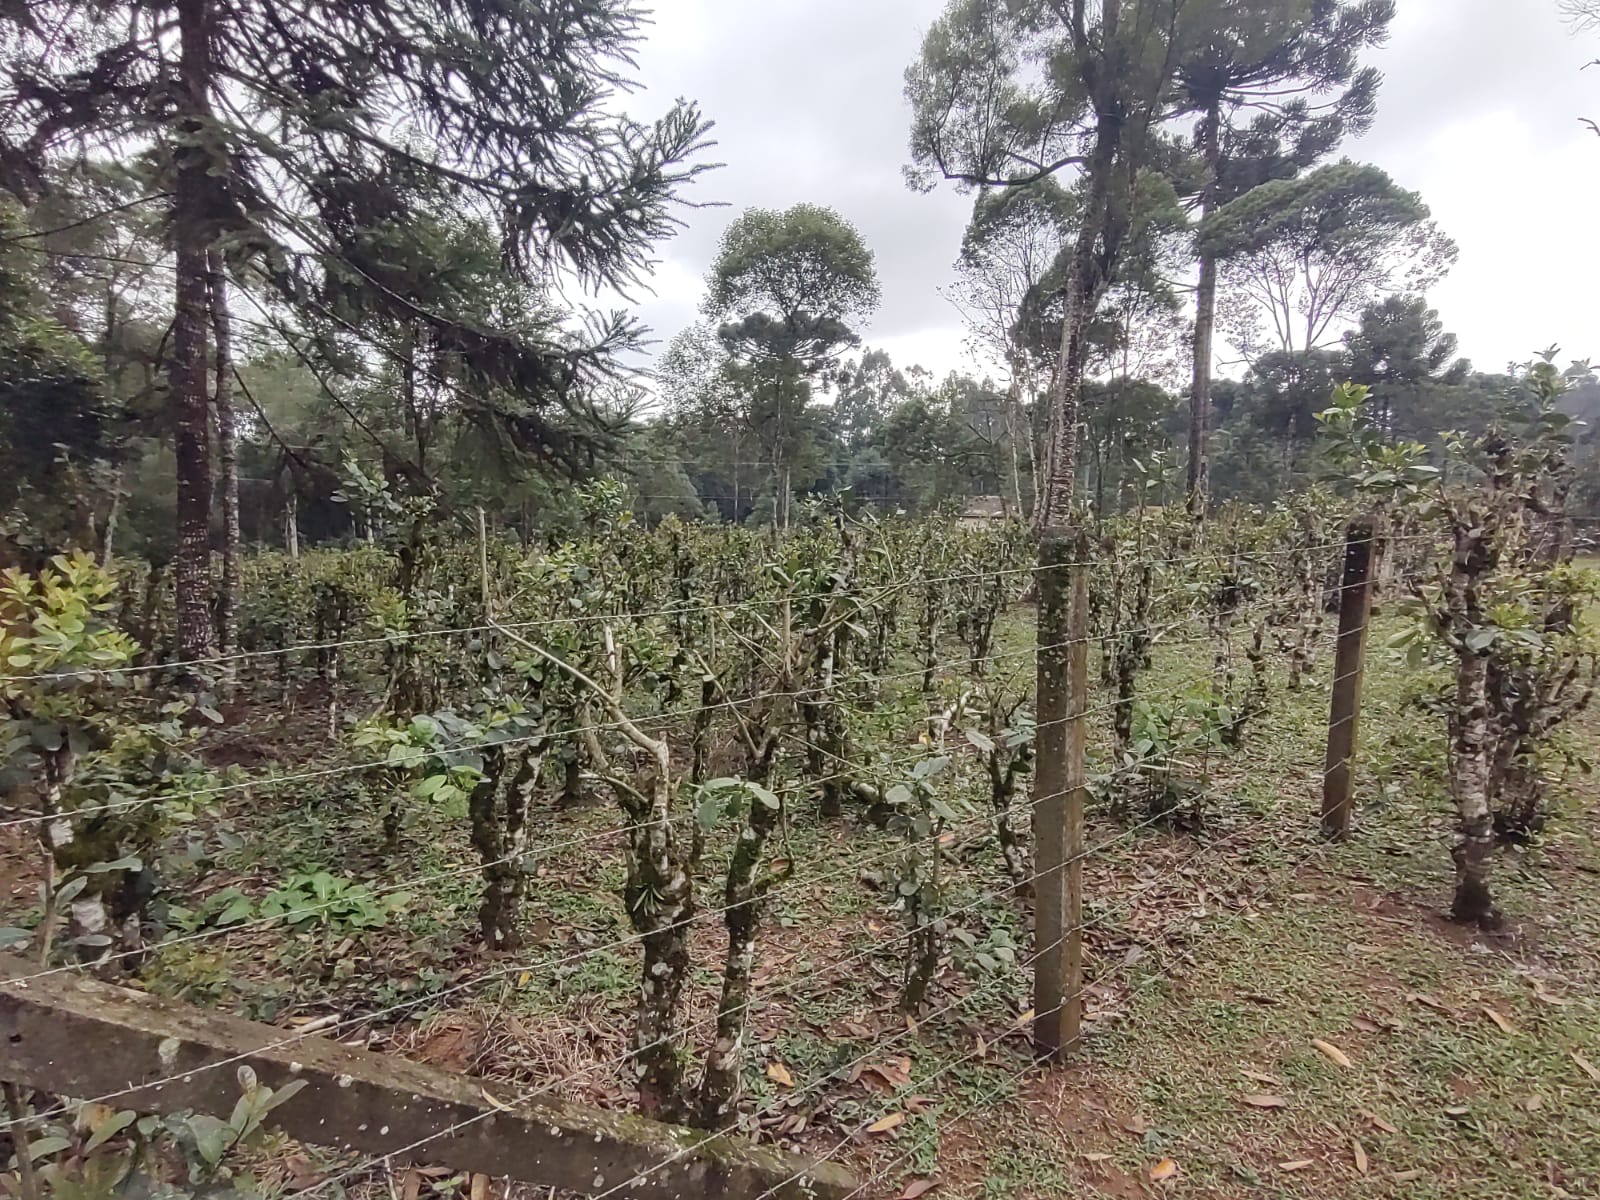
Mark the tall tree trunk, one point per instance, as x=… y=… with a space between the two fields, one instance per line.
x=188 y=375
x=1013 y=424
x=1055 y=491
x=108 y=531
x=1469 y=784
x=227 y=453
x=1205 y=321
x=291 y=523
x=112 y=370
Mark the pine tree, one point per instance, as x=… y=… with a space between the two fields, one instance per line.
x=1276 y=86
x=281 y=134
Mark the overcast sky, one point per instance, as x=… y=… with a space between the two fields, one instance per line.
x=1479 y=112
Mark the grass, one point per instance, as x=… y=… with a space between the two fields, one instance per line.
x=1345 y=944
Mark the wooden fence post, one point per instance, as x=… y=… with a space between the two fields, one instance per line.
x=1059 y=780
x=1355 y=614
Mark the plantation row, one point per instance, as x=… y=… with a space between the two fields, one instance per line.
x=724 y=687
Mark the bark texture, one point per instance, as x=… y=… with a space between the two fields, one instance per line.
x=188 y=371
x=1205 y=320
x=227 y=452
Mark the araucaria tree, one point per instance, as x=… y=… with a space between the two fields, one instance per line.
x=1275 y=85
x=280 y=137
x=1308 y=255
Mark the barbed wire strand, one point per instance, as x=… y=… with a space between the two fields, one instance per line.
x=698 y=608
x=789 y=885
x=878 y=1048
x=594 y=727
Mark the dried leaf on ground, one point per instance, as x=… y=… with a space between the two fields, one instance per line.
x=886 y=1077
x=1408 y=1176
x=1378 y=1122
x=1262 y=1101
x=1587 y=1067
x=410 y=1185
x=1500 y=1019
x=480 y=1187
x=1532 y=1103
x=1428 y=1001
x=1364 y=1025
x=1262 y=1077
x=918 y=1187
x=1360 y=1152
x=1333 y=1054
x=302 y=1174
x=1299 y=1164
x=1163 y=1170
x=779 y=1074
x=884 y=1124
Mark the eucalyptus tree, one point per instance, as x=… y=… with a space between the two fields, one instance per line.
x=1275 y=85
x=270 y=128
x=1010 y=251
x=788 y=288
x=1004 y=95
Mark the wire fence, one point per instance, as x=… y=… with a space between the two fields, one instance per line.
x=1132 y=786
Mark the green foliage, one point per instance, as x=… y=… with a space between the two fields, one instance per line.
x=721 y=801
x=106 y=1153
x=57 y=448
x=1358 y=452
x=794 y=280
x=315 y=900
x=1312 y=252
x=1172 y=744
x=107 y=778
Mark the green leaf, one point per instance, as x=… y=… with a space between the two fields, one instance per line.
x=10 y=936
x=235 y=911
x=131 y=863
x=767 y=798
x=46 y=1146
x=711 y=811
x=211 y=1136
x=109 y=1128
x=981 y=740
